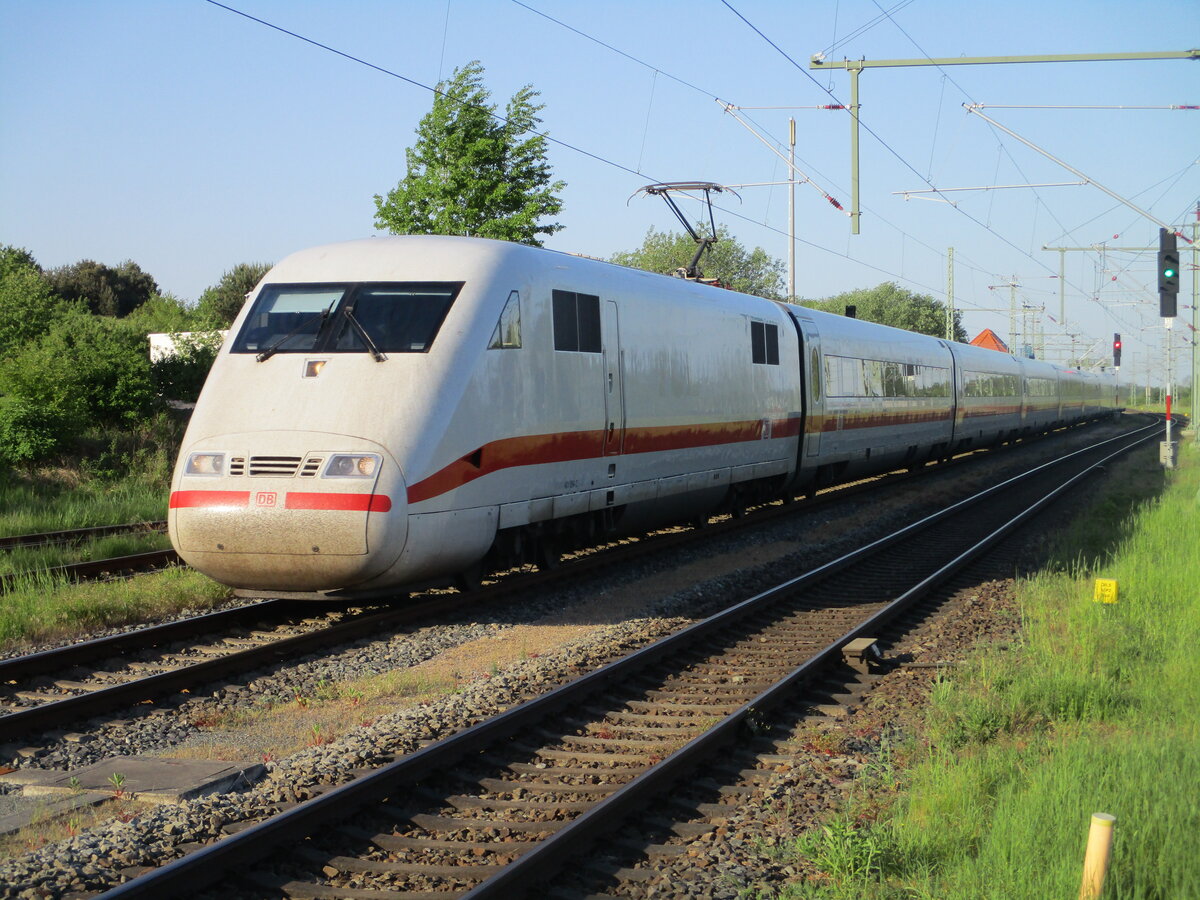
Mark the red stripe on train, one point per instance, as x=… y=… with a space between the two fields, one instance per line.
x=540 y=449
x=209 y=499
x=343 y=502
x=292 y=500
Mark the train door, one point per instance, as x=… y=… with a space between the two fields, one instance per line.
x=614 y=388
x=813 y=370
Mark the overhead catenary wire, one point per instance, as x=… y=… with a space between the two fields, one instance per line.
x=908 y=165
x=905 y=235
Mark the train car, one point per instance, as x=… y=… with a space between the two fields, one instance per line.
x=879 y=397
x=395 y=411
x=990 y=390
x=1042 y=407
x=389 y=410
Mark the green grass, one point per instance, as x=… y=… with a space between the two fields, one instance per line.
x=113 y=477
x=40 y=608
x=29 y=559
x=1096 y=712
x=29 y=506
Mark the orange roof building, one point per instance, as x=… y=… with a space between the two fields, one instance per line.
x=989 y=339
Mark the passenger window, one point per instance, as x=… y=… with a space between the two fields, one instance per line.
x=507 y=335
x=764 y=343
x=576 y=322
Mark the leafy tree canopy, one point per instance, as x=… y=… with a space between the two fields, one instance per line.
x=107 y=291
x=751 y=272
x=889 y=304
x=220 y=303
x=28 y=307
x=13 y=258
x=471 y=173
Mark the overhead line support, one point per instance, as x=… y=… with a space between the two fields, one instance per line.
x=856 y=66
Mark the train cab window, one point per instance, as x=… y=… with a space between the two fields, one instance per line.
x=576 y=322
x=398 y=318
x=507 y=335
x=764 y=343
x=333 y=318
x=288 y=318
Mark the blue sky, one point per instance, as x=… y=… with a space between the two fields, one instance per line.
x=188 y=138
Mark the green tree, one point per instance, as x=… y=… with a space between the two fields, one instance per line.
x=13 y=258
x=28 y=307
x=472 y=173
x=107 y=291
x=889 y=304
x=220 y=303
x=751 y=272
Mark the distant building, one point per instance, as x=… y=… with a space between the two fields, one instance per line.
x=989 y=339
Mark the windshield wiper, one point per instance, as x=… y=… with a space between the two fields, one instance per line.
x=274 y=348
x=348 y=312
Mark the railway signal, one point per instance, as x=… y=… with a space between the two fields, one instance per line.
x=1168 y=274
x=1116 y=350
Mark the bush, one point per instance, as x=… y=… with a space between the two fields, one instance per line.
x=90 y=369
x=181 y=375
x=29 y=432
x=165 y=313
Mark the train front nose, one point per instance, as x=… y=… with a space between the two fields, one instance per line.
x=294 y=519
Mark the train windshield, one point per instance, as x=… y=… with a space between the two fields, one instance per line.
x=346 y=318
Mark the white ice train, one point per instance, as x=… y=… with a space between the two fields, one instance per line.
x=396 y=410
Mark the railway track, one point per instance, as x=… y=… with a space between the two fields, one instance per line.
x=499 y=808
x=79 y=535
x=57 y=688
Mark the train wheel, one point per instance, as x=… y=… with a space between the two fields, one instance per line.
x=546 y=555
x=470 y=579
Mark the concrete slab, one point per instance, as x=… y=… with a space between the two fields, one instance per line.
x=18 y=811
x=150 y=779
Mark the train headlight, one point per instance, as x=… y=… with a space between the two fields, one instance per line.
x=205 y=464
x=352 y=465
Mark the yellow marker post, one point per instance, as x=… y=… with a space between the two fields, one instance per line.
x=1106 y=590
x=1095 y=861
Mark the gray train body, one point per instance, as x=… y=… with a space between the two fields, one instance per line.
x=392 y=411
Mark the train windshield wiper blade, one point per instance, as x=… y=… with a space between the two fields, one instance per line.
x=348 y=312
x=274 y=348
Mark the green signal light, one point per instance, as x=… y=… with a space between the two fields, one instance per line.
x=1170 y=273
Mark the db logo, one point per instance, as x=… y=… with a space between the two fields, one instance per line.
x=265 y=498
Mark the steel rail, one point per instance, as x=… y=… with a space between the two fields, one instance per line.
x=72 y=535
x=209 y=864
x=97 y=568
x=22 y=722
x=31 y=664
x=549 y=854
